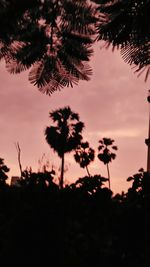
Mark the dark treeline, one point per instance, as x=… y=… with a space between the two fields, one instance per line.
x=83 y=223
x=73 y=224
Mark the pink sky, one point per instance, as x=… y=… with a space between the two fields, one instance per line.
x=113 y=104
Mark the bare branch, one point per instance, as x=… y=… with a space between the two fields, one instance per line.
x=19 y=156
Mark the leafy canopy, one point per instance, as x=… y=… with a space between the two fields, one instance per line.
x=126 y=25
x=51 y=38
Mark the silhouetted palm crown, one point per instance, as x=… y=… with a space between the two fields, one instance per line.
x=66 y=134
x=126 y=25
x=84 y=154
x=52 y=37
x=105 y=154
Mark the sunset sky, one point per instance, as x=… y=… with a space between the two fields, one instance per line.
x=113 y=104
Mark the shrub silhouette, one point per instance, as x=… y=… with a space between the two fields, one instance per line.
x=3 y=173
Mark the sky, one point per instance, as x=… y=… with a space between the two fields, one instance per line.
x=112 y=104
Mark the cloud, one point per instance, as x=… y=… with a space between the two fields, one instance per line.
x=112 y=104
x=121 y=133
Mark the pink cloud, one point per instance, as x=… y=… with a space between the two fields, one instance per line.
x=113 y=103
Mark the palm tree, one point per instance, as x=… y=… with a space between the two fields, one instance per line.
x=84 y=155
x=126 y=25
x=51 y=38
x=105 y=155
x=65 y=135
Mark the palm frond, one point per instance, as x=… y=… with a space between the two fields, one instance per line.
x=9 y=51
x=51 y=87
x=58 y=82
x=53 y=38
x=144 y=69
x=50 y=78
x=138 y=55
x=16 y=46
x=44 y=71
x=127 y=27
x=3 y=50
x=81 y=71
x=13 y=66
x=79 y=16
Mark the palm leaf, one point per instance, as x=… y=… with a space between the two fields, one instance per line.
x=50 y=78
x=138 y=56
x=127 y=27
x=43 y=71
x=13 y=66
x=3 y=50
x=57 y=57
x=79 y=16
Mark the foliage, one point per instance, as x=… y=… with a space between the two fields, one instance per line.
x=84 y=155
x=140 y=182
x=39 y=180
x=126 y=25
x=3 y=172
x=90 y=185
x=51 y=38
x=83 y=223
x=86 y=224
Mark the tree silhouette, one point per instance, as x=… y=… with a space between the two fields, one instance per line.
x=140 y=183
x=90 y=185
x=105 y=155
x=65 y=135
x=126 y=25
x=40 y=180
x=84 y=155
x=3 y=172
x=53 y=38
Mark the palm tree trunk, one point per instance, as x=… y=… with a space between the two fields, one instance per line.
x=61 y=183
x=87 y=171
x=108 y=174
